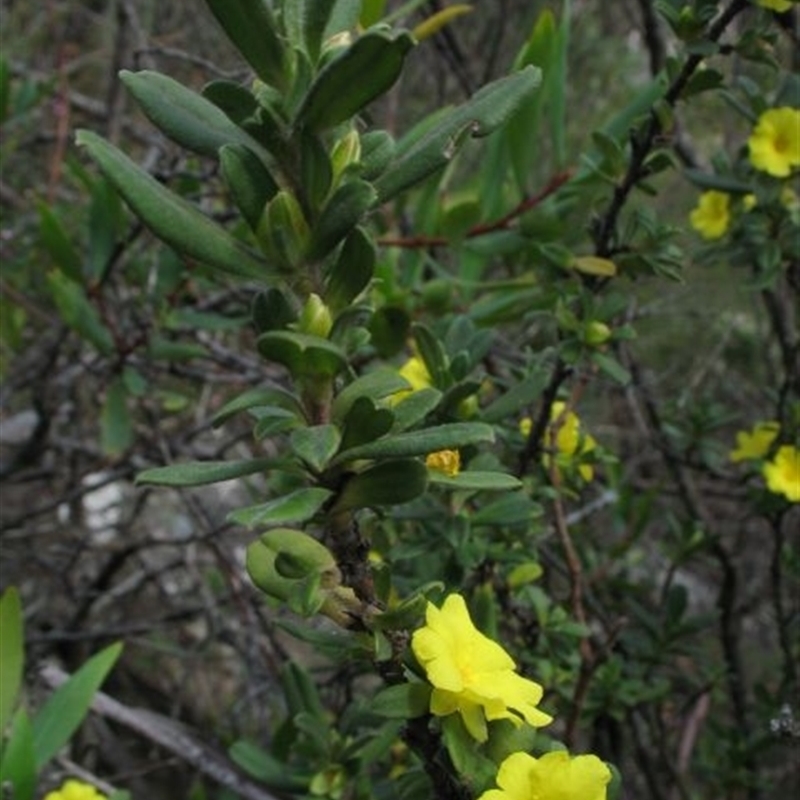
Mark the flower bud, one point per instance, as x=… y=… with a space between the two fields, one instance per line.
x=596 y=333
x=315 y=317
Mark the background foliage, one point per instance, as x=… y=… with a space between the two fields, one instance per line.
x=657 y=603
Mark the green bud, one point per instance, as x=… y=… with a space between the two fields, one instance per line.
x=346 y=151
x=283 y=231
x=596 y=333
x=315 y=318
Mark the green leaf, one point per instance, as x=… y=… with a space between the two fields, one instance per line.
x=200 y=473
x=253 y=398
x=519 y=396
x=612 y=368
x=343 y=211
x=316 y=445
x=377 y=150
x=316 y=170
x=352 y=271
x=388 y=483
x=12 y=653
x=315 y=17
x=272 y=310
x=171 y=218
x=18 y=758
x=237 y=102
x=78 y=312
x=364 y=71
x=508 y=510
x=376 y=385
x=250 y=25
x=251 y=184
x=404 y=701
x=364 y=422
x=414 y=408
x=295 y=507
x=433 y=355
x=721 y=183
x=465 y=752
x=64 y=711
x=263 y=766
x=415 y=443
x=58 y=244
x=116 y=425
x=489 y=108
x=475 y=480
x=302 y=354
x=185 y=116
x=104 y=220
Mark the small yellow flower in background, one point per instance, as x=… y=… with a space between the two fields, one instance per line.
x=755 y=444
x=782 y=474
x=525 y=426
x=775 y=141
x=417 y=375
x=553 y=776
x=447 y=461
x=749 y=201
x=566 y=439
x=470 y=673
x=712 y=214
x=75 y=790
x=775 y=5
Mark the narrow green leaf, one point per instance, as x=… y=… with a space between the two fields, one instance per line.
x=612 y=368
x=388 y=483
x=404 y=701
x=253 y=398
x=413 y=409
x=185 y=116
x=295 y=507
x=237 y=102
x=171 y=218
x=721 y=183
x=474 y=480
x=489 y=108
x=517 y=397
x=78 y=312
x=12 y=653
x=251 y=184
x=376 y=385
x=415 y=443
x=343 y=211
x=18 y=758
x=58 y=244
x=316 y=445
x=352 y=271
x=199 y=473
x=64 y=711
x=260 y=764
x=508 y=510
x=250 y=25
x=364 y=71
x=116 y=425
x=316 y=14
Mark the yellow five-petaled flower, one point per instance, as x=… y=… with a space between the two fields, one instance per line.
x=782 y=473
x=775 y=142
x=446 y=461
x=554 y=776
x=754 y=444
x=712 y=215
x=75 y=790
x=470 y=673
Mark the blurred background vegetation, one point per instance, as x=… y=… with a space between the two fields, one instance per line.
x=97 y=387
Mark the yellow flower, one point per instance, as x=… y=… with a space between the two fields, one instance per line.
x=472 y=674
x=417 y=375
x=525 y=425
x=782 y=474
x=566 y=441
x=775 y=142
x=554 y=776
x=749 y=201
x=789 y=199
x=775 y=5
x=447 y=461
x=754 y=445
x=712 y=215
x=75 y=790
